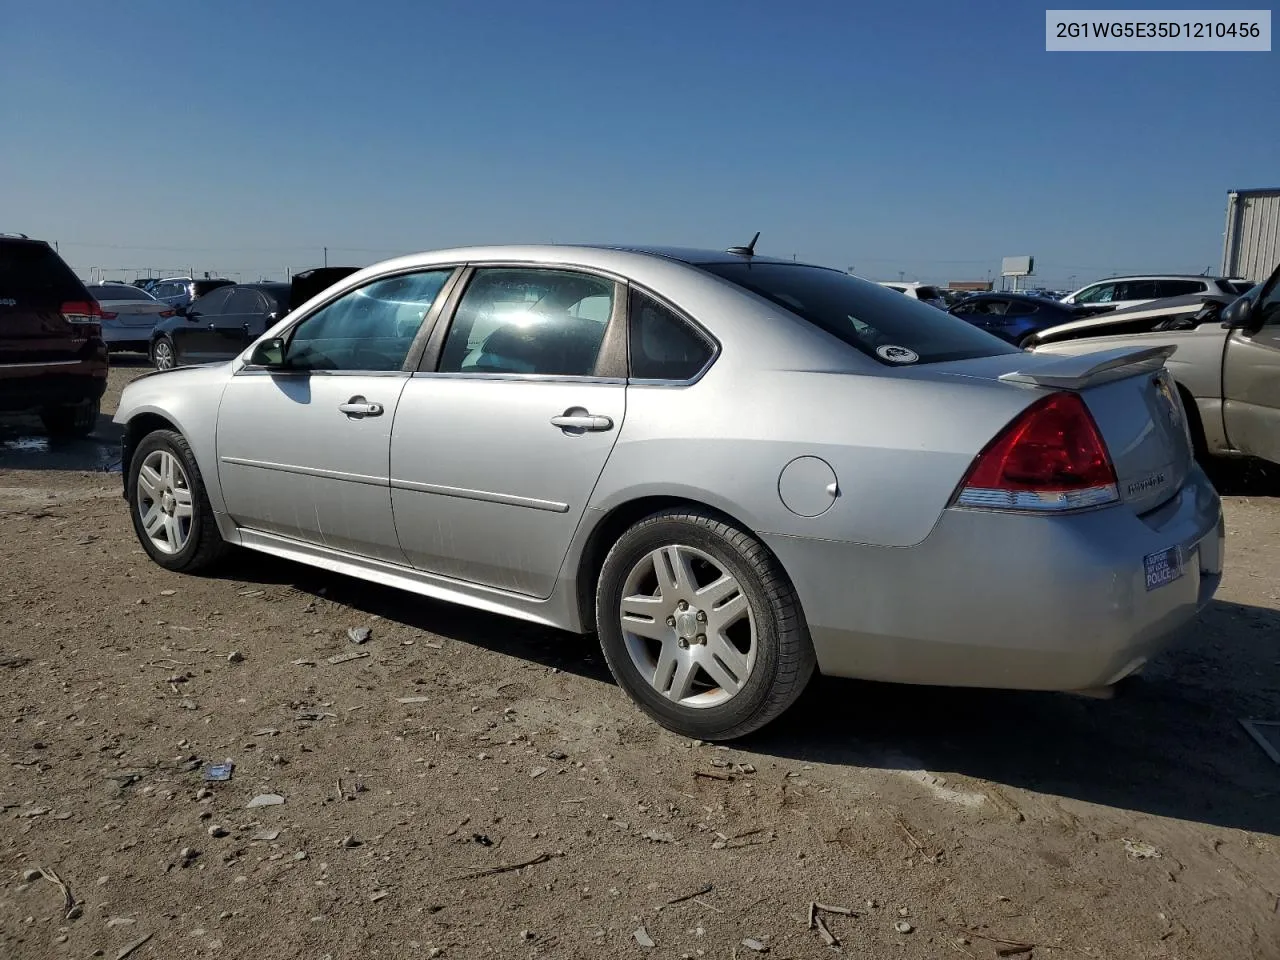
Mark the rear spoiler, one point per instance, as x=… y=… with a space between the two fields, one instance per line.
x=1091 y=369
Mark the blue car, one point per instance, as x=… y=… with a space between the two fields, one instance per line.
x=1016 y=317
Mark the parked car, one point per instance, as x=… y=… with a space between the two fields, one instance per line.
x=181 y=291
x=1016 y=317
x=735 y=469
x=53 y=360
x=923 y=292
x=1119 y=292
x=223 y=322
x=1226 y=365
x=128 y=315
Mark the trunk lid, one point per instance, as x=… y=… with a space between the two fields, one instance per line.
x=1132 y=399
x=136 y=313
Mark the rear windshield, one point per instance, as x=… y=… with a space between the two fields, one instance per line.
x=33 y=269
x=873 y=319
x=928 y=293
x=118 y=291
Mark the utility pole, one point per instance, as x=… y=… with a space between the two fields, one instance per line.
x=326 y=256
x=901 y=273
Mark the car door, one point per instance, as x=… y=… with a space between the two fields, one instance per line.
x=1251 y=379
x=303 y=450
x=195 y=340
x=501 y=437
x=231 y=330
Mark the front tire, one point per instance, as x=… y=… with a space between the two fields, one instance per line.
x=701 y=626
x=72 y=420
x=169 y=507
x=163 y=354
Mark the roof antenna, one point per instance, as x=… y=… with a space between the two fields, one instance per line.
x=749 y=250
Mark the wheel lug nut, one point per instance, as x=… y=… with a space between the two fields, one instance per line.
x=671 y=621
x=683 y=605
x=702 y=616
x=702 y=639
x=683 y=643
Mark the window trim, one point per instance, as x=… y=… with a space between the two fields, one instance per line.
x=611 y=361
x=416 y=348
x=701 y=331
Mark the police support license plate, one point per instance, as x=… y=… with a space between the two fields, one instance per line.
x=1163 y=567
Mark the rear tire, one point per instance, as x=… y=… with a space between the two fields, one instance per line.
x=71 y=420
x=739 y=653
x=169 y=507
x=163 y=354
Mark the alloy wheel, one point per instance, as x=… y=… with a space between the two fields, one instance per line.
x=688 y=626
x=164 y=501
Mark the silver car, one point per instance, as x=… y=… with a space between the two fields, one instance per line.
x=734 y=469
x=128 y=315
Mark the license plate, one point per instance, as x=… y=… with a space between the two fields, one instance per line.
x=1163 y=567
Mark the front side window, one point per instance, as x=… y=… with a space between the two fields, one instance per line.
x=1101 y=293
x=527 y=321
x=370 y=328
x=1269 y=306
x=874 y=320
x=662 y=345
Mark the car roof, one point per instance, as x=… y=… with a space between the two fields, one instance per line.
x=996 y=294
x=1156 y=276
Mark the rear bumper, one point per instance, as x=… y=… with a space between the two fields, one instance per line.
x=133 y=338
x=1006 y=600
x=33 y=387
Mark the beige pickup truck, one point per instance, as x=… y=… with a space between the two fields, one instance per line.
x=1226 y=365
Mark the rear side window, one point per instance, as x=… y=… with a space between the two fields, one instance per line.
x=35 y=270
x=1179 y=288
x=873 y=319
x=662 y=345
x=928 y=293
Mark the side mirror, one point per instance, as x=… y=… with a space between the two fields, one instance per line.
x=1237 y=313
x=180 y=310
x=269 y=354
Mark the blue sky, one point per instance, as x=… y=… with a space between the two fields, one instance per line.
x=928 y=138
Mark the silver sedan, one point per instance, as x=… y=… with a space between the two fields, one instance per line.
x=734 y=469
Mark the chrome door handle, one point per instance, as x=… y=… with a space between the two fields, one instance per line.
x=583 y=421
x=359 y=407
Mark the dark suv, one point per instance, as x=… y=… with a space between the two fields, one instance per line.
x=53 y=360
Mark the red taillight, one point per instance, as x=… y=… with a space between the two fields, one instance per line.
x=167 y=313
x=106 y=315
x=1052 y=457
x=82 y=311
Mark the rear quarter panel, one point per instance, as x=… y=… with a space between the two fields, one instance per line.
x=898 y=446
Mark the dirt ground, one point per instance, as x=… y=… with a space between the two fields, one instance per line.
x=952 y=823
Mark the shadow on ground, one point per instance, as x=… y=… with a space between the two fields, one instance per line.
x=1170 y=744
